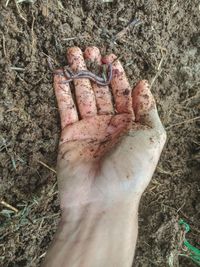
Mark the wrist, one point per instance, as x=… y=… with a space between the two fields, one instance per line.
x=89 y=233
x=95 y=209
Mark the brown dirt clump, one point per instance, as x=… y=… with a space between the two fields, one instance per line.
x=164 y=48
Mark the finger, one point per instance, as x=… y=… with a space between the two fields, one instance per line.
x=83 y=90
x=144 y=105
x=120 y=86
x=66 y=106
x=102 y=93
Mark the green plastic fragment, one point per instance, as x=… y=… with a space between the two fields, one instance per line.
x=194 y=253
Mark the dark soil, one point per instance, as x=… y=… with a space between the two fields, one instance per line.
x=30 y=125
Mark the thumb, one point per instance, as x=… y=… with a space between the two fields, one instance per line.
x=144 y=106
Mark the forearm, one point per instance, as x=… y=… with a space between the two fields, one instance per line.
x=94 y=237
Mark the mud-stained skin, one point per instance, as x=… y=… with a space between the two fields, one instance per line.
x=104 y=126
x=95 y=141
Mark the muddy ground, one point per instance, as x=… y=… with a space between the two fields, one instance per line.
x=163 y=48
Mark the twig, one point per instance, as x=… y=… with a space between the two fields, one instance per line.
x=47 y=217
x=26 y=1
x=4 y=46
x=70 y=38
x=163 y=171
x=134 y=23
x=11 y=156
x=17 y=69
x=45 y=165
x=33 y=40
x=9 y=206
x=181 y=207
x=182 y=122
x=41 y=223
x=159 y=70
x=51 y=191
x=50 y=64
x=50 y=60
x=13 y=162
x=60 y=5
x=41 y=256
x=7 y=2
x=18 y=9
x=45 y=8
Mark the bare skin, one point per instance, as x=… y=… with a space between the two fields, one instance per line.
x=107 y=156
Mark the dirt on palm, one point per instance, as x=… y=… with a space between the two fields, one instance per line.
x=163 y=48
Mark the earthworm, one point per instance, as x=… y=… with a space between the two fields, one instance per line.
x=70 y=75
x=88 y=74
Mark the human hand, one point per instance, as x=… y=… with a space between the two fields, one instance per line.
x=107 y=155
x=108 y=149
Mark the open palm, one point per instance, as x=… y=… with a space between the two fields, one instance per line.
x=110 y=150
